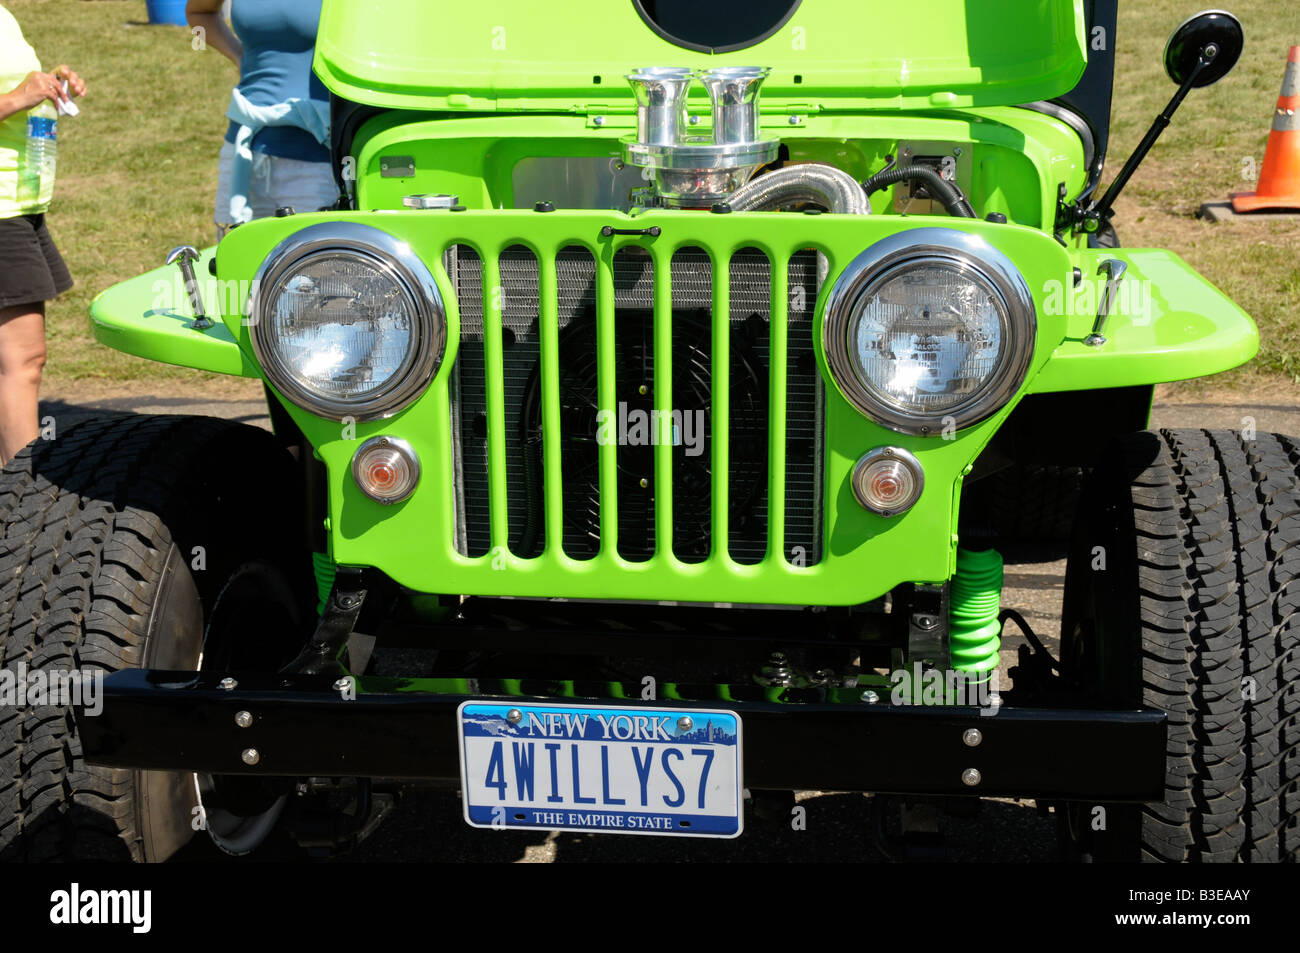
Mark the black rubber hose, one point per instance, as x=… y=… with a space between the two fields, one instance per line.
x=949 y=196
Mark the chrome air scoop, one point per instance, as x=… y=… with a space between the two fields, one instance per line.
x=698 y=171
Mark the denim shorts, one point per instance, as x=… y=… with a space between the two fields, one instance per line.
x=275 y=182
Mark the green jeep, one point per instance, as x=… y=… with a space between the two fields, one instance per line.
x=666 y=381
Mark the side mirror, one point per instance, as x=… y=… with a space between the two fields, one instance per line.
x=1217 y=35
x=1200 y=51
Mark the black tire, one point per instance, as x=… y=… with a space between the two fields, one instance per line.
x=1032 y=502
x=99 y=528
x=1195 y=613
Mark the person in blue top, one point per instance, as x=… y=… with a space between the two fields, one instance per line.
x=276 y=152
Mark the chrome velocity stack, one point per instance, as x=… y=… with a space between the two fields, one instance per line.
x=698 y=171
x=733 y=90
x=661 y=104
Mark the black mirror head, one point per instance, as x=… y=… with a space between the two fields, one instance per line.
x=1215 y=31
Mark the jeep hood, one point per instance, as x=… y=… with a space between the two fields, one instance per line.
x=572 y=55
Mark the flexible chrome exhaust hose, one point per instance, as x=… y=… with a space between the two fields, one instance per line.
x=810 y=183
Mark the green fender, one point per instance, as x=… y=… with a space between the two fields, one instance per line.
x=1168 y=324
x=150 y=316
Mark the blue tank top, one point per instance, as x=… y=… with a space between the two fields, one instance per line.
x=279 y=39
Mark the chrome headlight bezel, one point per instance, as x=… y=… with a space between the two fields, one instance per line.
x=974 y=258
x=396 y=260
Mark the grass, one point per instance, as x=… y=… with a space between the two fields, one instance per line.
x=1200 y=157
x=138 y=167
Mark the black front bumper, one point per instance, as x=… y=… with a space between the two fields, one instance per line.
x=302 y=726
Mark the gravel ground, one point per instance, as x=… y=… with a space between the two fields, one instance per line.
x=426 y=825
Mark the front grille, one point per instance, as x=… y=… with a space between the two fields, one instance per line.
x=649 y=386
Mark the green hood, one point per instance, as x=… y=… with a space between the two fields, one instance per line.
x=571 y=55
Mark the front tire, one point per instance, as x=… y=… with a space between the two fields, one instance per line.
x=1182 y=593
x=118 y=538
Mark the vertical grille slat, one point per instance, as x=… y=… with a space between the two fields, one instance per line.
x=719 y=419
x=780 y=330
x=547 y=375
x=569 y=337
x=664 y=404
x=494 y=378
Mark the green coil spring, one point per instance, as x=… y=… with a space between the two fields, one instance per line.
x=325 y=570
x=974 y=598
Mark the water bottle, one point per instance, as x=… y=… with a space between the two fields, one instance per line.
x=36 y=173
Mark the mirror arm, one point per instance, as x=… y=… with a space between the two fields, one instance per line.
x=1097 y=214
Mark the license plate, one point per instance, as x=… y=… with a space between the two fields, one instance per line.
x=596 y=768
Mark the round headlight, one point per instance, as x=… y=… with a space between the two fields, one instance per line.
x=929 y=328
x=347 y=321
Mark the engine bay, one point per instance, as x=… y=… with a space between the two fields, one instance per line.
x=728 y=154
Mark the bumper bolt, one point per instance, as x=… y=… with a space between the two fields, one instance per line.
x=971 y=777
x=972 y=737
x=870 y=697
x=244 y=719
x=250 y=756
x=227 y=684
x=343 y=684
x=514 y=716
x=685 y=724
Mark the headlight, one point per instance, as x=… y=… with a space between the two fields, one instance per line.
x=928 y=327
x=347 y=321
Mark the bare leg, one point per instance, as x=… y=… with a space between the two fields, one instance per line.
x=22 y=356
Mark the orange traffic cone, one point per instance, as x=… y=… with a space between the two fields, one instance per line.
x=1279 y=179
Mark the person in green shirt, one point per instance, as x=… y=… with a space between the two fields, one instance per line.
x=31 y=269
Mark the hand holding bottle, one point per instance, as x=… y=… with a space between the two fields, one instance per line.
x=35 y=89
